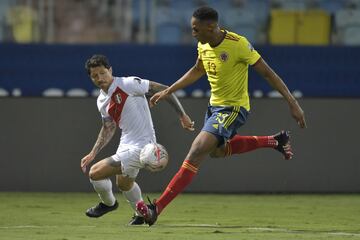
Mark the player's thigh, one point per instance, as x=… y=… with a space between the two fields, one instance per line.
x=104 y=169
x=219 y=151
x=124 y=183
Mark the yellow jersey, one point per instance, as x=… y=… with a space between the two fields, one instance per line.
x=226 y=67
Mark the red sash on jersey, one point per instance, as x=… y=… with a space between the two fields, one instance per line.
x=116 y=105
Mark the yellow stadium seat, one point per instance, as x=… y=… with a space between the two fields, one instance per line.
x=313 y=28
x=310 y=27
x=283 y=27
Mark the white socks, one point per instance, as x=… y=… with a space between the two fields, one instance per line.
x=133 y=196
x=104 y=190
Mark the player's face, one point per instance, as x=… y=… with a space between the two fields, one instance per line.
x=101 y=77
x=201 y=30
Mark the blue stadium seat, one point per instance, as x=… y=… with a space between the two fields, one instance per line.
x=331 y=6
x=292 y=4
x=347 y=22
x=247 y=31
x=351 y=36
x=243 y=22
x=262 y=10
x=168 y=33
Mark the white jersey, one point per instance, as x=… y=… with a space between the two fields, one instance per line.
x=127 y=105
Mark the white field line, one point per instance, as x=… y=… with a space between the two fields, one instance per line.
x=35 y=226
x=257 y=229
x=267 y=229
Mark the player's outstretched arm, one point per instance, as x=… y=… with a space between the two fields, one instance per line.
x=106 y=133
x=191 y=76
x=174 y=102
x=277 y=83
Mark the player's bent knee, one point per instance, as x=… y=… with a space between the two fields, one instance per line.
x=94 y=175
x=217 y=153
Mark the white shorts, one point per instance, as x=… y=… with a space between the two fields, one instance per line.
x=129 y=157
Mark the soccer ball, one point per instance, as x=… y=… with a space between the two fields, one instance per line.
x=154 y=157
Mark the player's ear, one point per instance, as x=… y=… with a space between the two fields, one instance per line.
x=110 y=70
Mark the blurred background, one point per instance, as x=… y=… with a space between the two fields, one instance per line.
x=49 y=118
x=300 y=22
x=321 y=36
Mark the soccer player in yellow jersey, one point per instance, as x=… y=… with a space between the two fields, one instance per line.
x=225 y=57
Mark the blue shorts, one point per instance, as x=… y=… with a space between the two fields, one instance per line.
x=224 y=122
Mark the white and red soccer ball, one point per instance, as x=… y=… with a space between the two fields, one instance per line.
x=154 y=157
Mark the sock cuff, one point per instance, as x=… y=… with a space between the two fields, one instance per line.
x=187 y=165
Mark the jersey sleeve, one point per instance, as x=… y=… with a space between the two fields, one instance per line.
x=199 y=51
x=246 y=52
x=102 y=110
x=135 y=85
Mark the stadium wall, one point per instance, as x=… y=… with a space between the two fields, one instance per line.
x=310 y=71
x=43 y=140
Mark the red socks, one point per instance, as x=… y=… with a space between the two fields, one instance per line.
x=238 y=144
x=241 y=144
x=177 y=184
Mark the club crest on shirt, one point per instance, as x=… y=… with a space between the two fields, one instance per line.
x=224 y=56
x=118 y=98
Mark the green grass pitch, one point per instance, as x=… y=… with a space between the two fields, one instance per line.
x=60 y=216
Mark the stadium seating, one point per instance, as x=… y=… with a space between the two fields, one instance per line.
x=331 y=6
x=243 y=22
x=292 y=21
x=347 y=23
x=283 y=27
x=168 y=33
x=310 y=27
x=313 y=28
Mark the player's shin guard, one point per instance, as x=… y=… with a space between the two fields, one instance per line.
x=242 y=144
x=104 y=190
x=178 y=183
x=133 y=195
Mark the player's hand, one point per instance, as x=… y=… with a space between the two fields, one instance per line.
x=298 y=114
x=158 y=96
x=187 y=123
x=85 y=161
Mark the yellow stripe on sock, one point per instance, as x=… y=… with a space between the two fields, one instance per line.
x=189 y=167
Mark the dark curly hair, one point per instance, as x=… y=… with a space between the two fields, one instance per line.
x=206 y=13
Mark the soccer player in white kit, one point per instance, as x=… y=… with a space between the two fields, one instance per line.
x=122 y=103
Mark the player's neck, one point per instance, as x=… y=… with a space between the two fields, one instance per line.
x=106 y=88
x=218 y=38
